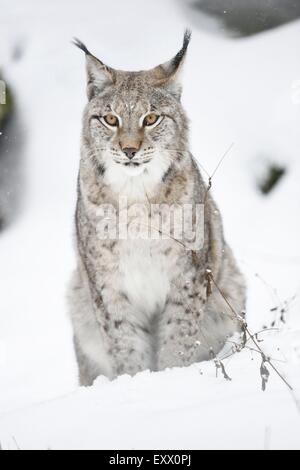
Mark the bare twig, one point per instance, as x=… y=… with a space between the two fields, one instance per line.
x=15 y=441
x=264 y=373
x=222 y=158
x=252 y=337
x=219 y=365
x=210 y=177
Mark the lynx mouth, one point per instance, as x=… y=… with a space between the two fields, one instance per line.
x=133 y=164
x=132 y=168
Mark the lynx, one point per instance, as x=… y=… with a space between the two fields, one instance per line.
x=145 y=303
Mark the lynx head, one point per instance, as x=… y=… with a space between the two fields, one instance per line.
x=134 y=123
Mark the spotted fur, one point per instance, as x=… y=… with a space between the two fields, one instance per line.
x=143 y=304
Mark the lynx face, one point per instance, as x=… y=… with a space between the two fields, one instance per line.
x=134 y=123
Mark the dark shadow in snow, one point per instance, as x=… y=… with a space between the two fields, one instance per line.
x=238 y=18
x=273 y=176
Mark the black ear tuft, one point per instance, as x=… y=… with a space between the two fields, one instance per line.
x=81 y=46
x=99 y=75
x=179 y=56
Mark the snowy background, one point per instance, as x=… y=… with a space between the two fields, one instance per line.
x=242 y=90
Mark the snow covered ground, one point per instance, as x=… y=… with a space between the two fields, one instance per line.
x=241 y=91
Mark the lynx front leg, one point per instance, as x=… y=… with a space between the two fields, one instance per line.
x=91 y=355
x=181 y=341
x=108 y=341
x=193 y=329
x=127 y=341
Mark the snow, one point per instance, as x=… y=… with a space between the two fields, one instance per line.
x=174 y=409
x=240 y=91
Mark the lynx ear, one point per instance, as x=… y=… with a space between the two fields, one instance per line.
x=167 y=74
x=99 y=75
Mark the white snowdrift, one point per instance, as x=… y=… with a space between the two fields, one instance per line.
x=179 y=408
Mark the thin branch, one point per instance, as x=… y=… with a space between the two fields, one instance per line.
x=209 y=185
x=222 y=158
x=244 y=324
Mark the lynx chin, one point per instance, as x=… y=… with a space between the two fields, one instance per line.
x=143 y=302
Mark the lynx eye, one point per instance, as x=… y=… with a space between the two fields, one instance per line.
x=111 y=120
x=150 y=119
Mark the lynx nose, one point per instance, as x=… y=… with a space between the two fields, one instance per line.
x=130 y=152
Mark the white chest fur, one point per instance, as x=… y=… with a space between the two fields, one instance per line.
x=144 y=275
